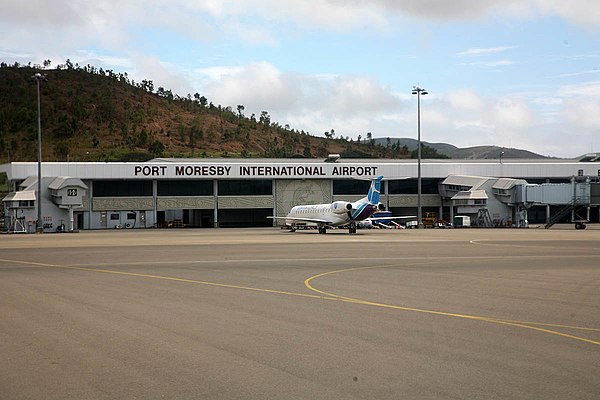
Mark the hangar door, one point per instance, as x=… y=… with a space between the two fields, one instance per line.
x=244 y=203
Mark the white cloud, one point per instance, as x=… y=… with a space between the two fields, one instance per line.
x=164 y=74
x=580 y=12
x=261 y=86
x=466 y=100
x=512 y=114
x=490 y=64
x=484 y=51
x=586 y=89
x=582 y=105
x=583 y=114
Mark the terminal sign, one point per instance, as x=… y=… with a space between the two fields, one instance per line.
x=274 y=171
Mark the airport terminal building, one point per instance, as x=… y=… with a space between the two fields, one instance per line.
x=208 y=193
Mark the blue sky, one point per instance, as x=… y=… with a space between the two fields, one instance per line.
x=522 y=74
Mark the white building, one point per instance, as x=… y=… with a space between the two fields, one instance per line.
x=243 y=192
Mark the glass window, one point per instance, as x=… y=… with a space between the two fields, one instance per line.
x=185 y=188
x=245 y=187
x=352 y=186
x=122 y=188
x=410 y=186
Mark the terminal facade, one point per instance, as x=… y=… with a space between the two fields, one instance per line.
x=208 y=193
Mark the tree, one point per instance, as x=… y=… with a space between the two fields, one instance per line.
x=61 y=150
x=265 y=119
x=147 y=85
x=156 y=148
x=428 y=152
x=307 y=153
x=240 y=109
x=142 y=138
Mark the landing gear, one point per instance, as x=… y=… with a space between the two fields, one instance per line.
x=580 y=225
x=352 y=228
x=322 y=229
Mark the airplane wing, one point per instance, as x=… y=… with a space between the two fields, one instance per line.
x=389 y=218
x=313 y=220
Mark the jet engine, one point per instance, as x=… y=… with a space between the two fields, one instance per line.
x=341 y=207
x=381 y=207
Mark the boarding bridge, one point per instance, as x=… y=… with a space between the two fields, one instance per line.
x=575 y=197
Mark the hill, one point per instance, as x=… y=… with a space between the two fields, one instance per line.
x=466 y=153
x=90 y=114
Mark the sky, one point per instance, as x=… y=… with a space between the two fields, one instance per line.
x=512 y=73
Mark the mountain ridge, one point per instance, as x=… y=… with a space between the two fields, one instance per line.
x=467 y=153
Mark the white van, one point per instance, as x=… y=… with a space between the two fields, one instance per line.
x=462 y=221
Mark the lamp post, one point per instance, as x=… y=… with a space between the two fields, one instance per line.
x=40 y=224
x=501 y=154
x=419 y=91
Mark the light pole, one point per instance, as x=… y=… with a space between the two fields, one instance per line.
x=419 y=91
x=40 y=224
x=501 y=154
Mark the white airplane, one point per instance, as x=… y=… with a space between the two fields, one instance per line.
x=338 y=213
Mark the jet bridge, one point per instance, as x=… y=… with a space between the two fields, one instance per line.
x=575 y=198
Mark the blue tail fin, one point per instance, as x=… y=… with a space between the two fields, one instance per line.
x=374 y=190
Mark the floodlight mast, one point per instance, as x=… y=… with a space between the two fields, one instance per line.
x=419 y=91
x=39 y=224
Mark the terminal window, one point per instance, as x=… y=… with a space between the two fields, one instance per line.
x=352 y=186
x=246 y=187
x=185 y=188
x=122 y=188
x=410 y=186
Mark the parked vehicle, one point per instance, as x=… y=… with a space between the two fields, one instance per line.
x=462 y=221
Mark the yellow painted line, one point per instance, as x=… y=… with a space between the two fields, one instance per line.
x=169 y=278
x=323 y=295
x=520 y=324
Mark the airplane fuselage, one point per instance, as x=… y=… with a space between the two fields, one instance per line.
x=334 y=214
x=317 y=211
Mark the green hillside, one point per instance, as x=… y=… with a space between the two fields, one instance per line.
x=90 y=114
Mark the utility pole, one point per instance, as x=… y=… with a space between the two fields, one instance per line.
x=40 y=223
x=419 y=91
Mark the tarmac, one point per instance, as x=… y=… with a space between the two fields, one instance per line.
x=262 y=313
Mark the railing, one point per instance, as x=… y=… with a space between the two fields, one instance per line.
x=576 y=202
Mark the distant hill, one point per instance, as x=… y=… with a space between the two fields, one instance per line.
x=466 y=153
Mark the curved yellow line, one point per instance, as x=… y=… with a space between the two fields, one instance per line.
x=326 y=296
x=520 y=324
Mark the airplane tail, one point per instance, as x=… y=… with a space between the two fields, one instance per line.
x=366 y=206
x=374 y=190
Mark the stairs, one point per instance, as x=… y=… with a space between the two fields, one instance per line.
x=560 y=214
x=483 y=219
